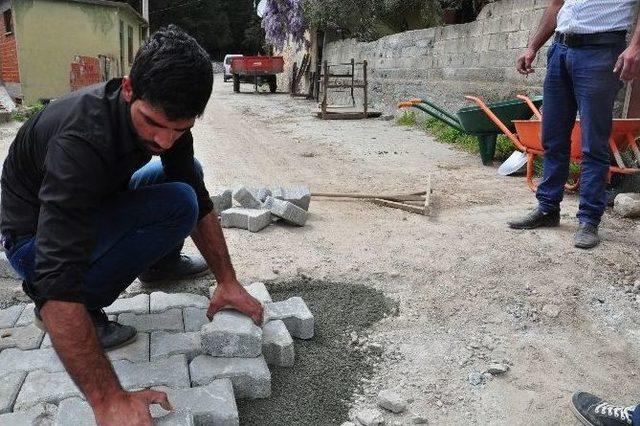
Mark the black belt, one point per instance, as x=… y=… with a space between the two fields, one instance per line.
x=578 y=40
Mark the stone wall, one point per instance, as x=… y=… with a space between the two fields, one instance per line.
x=445 y=63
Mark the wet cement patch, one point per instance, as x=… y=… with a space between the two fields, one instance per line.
x=328 y=368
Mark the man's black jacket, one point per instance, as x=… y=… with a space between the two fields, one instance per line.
x=64 y=162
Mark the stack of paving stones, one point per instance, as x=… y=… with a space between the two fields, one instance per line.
x=257 y=208
x=203 y=366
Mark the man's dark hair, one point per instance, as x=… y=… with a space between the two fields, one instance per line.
x=173 y=72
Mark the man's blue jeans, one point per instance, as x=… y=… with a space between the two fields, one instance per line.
x=578 y=80
x=134 y=229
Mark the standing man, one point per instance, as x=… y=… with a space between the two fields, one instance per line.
x=82 y=217
x=586 y=66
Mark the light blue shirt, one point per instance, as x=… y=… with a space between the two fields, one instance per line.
x=596 y=16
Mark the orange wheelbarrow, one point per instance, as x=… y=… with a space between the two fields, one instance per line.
x=528 y=139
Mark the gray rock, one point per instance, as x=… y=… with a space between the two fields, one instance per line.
x=170 y=320
x=9 y=388
x=221 y=199
x=14 y=359
x=348 y=424
x=41 y=415
x=370 y=417
x=287 y=211
x=161 y=301
x=277 y=344
x=27 y=316
x=552 y=311
x=251 y=219
x=165 y=344
x=137 y=304
x=246 y=198
x=6 y=270
x=295 y=314
x=497 y=369
x=73 y=412
x=136 y=351
x=171 y=372
x=419 y=420
x=391 y=400
x=300 y=196
x=231 y=334
x=10 y=315
x=476 y=378
x=212 y=404
x=627 y=204
x=27 y=337
x=259 y=291
x=194 y=318
x=175 y=418
x=250 y=377
x=41 y=387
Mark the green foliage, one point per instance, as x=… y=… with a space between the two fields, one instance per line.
x=408 y=118
x=23 y=114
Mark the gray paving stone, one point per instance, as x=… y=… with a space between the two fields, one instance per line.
x=137 y=304
x=261 y=193
x=9 y=388
x=194 y=318
x=6 y=270
x=295 y=314
x=175 y=418
x=73 y=412
x=161 y=301
x=136 y=351
x=27 y=316
x=251 y=219
x=27 y=337
x=259 y=291
x=212 y=404
x=171 y=372
x=164 y=344
x=231 y=334
x=10 y=315
x=14 y=359
x=41 y=415
x=170 y=320
x=300 y=195
x=287 y=211
x=43 y=387
x=277 y=344
x=250 y=377
x=221 y=199
x=246 y=198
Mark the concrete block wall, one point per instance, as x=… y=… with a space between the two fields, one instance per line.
x=445 y=63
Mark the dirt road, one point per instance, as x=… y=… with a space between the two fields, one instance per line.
x=470 y=290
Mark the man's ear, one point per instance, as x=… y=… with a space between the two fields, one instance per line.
x=127 y=89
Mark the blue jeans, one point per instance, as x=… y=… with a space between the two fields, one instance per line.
x=578 y=80
x=134 y=230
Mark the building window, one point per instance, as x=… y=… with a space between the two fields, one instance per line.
x=142 y=32
x=8 y=22
x=122 y=48
x=130 y=43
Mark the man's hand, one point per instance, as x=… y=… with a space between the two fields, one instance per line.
x=233 y=295
x=130 y=408
x=628 y=64
x=525 y=61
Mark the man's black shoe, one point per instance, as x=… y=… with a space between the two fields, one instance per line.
x=586 y=237
x=536 y=219
x=111 y=335
x=593 y=411
x=180 y=268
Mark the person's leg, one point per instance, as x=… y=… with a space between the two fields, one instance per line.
x=559 y=114
x=174 y=265
x=133 y=230
x=596 y=87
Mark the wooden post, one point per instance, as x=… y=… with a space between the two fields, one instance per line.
x=294 y=83
x=366 y=88
x=325 y=83
x=632 y=100
x=353 y=77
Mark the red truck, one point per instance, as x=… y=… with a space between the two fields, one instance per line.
x=257 y=70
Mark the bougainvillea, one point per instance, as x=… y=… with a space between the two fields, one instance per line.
x=283 y=19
